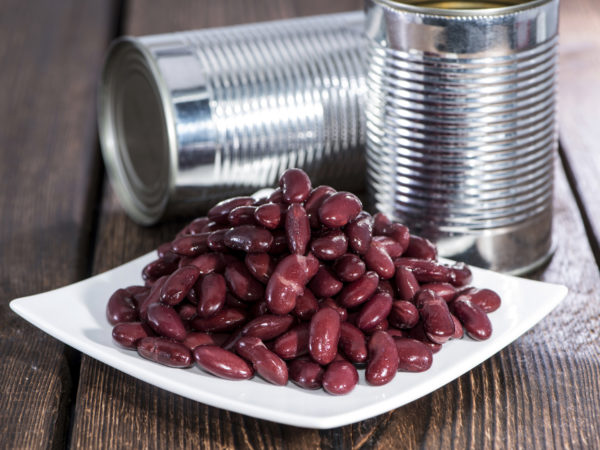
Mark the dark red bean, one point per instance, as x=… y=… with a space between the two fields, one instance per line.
x=359 y=291
x=413 y=355
x=325 y=284
x=276 y=196
x=349 y=267
x=165 y=351
x=436 y=317
x=474 y=319
x=384 y=325
x=178 y=285
x=459 y=331
x=486 y=299
x=191 y=245
x=378 y=260
x=269 y=215
x=340 y=378
x=353 y=343
x=406 y=283
x=339 y=209
x=294 y=343
x=420 y=248
x=226 y=319
x=197 y=226
x=381 y=224
x=306 y=373
x=196 y=338
x=445 y=291
x=121 y=307
x=280 y=244
x=164 y=250
x=461 y=274
x=222 y=363
x=373 y=312
x=418 y=332
x=211 y=296
x=267 y=326
x=394 y=332
x=324 y=335
x=260 y=265
x=165 y=321
x=331 y=303
x=330 y=246
x=426 y=271
x=295 y=186
x=391 y=247
x=385 y=287
x=297 y=229
x=160 y=267
x=241 y=283
x=207 y=263
x=220 y=212
x=266 y=363
x=186 y=311
x=248 y=238
x=153 y=297
x=383 y=359
x=287 y=282
x=306 y=305
x=242 y=215
x=314 y=202
x=129 y=334
x=360 y=232
x=216 y=240
x=401 y=235
x=404 y=315
x=259 y=308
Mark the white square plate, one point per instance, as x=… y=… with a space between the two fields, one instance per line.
x=75 y=314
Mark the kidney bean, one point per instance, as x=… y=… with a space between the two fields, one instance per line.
x=384 y=325
x=121 y=307
x=165 y=351
x=152 y=298
x=297 y=229
x=385 y=287
x=260 y=266
x=413 y=355
x=339 y=209
x=473 y=318
x=280 y=244
x=373 y=312
x=461 y=274
x=459 y=331
x=196 y=338
x=486 y=299
x=426 y=271
x=324 y=335
x=190 y=245
x=353 y=343
x=306 y=305
x=436 y=317
x=360 y=232
x=359 y=291
x=164 y=250
x=445 y=291
x=220 y=212
x=186 y=311
x=216 y=240
x=295 y=186
x=314 y=202
x=396 y=333
x=138 y=292
x=178 y=285
x=420 y=248
x=266 y=363
x=226 y=319
x=197 y=226
x=418 y=332
x=330 y=246
x=406 y=283
x=400 y=234
x=128 y=334
x=383 y=361
x=403 y=315
x=349 y=267
x=324 y=283
x=241 y=283
x=165 y=321
x=331 y=303
x=267 y=326
x=381 y=224
x=211 y=295
x=340 y=378
x=160 y=267
x=248 y=238
x=259 y=308
x=306 y=373
x=293 y=343
x=287 y=282
x=269 y=215
x=222 y=363
x=391 y=247
x=207 y=263
x=378 y=260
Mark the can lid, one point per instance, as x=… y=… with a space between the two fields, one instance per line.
x=136 y=130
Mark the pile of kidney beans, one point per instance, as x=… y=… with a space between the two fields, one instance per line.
x=301 y=285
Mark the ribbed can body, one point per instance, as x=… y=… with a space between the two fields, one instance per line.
x=461 y=128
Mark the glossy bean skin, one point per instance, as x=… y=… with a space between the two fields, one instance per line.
x=165 y=351
x=340 y=378
x=121 y=307
x=420 y=248
x=207 y=263
x=220 y=212
x=373 y=312
x=160 y=267
x=339 y=209
x=306 y=305
x=306 y=373
x=129 y=334
x=248 y=238
x=295 y=186
x=165 y=321
x=297 y=229
x=445 y=291
x=226 y=319
x=413 y=355
x=190 y=245
x=461 y=274
x=187 y=311
x=242 y=215
x=324 y=335
x=349 y=267
x=293 y=343
x=353 y=343
x=331 y=303
x=222 y=363
x=276 y=196
x=404 y=315
x=436 y=317
x=196 y=226
x=359 y=291
x=401 y=235
x=196 y=338
x=418 y=332
x=178 y=285
x=216 y=240
x=269 y=215
x=393 y=248
x=288 y=281
x=381 y=224
x=330 y=245
x=406 y=283
x=325 y=284
x=459 y=330
x=280 y=244
x=241 y=283
x=260 y=265
x=378 y=260
x=426 y=271
x=383 y=359
x=267 y=326
x=152 y=298
x=473 y=318
x=486 y=299
x=314 y=202
x=211 y=295
x=266 y=363
x=360 y=232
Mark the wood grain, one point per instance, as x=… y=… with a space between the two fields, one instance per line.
x=51 y=54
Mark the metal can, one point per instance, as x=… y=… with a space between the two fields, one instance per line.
x=461 y=124
x=188 y=118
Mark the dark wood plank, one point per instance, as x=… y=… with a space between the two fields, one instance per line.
x=51 y=54
x=542 y=391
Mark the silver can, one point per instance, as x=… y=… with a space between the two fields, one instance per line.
x=188 y=118
x=461 y=124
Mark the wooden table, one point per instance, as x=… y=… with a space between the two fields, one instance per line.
x=60 y=222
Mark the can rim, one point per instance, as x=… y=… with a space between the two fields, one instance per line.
x=400 y=5
x=140 y=209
